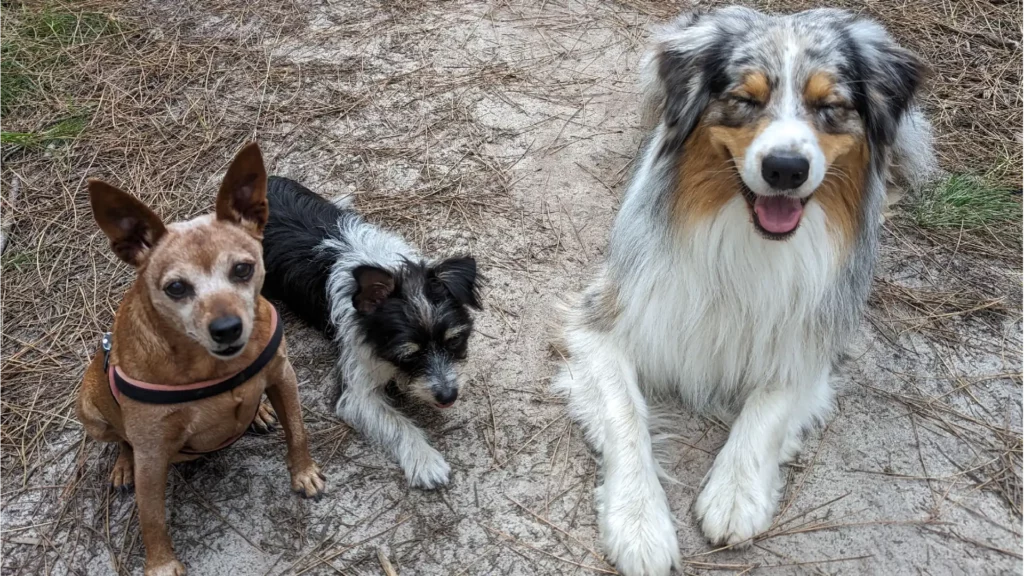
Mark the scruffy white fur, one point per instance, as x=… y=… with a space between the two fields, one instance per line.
x=363 y=403
x=740 y=313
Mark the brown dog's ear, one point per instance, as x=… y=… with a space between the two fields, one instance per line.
x=133 y=229
x=242 y=199
x=374 y=285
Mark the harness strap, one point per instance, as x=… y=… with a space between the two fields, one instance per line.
x=148 y=393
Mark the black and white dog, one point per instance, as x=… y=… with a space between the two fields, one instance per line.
x=741 y=258
x=395 y=316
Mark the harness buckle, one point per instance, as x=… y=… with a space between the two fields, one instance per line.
x=106 y=344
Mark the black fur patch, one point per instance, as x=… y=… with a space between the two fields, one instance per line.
x=297 y=272
x=411 y=324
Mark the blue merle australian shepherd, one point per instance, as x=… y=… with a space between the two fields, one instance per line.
x=396 y=317
x=741 y=258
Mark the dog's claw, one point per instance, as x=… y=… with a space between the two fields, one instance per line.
x=309 y=483
x=122 y=477
x=265 y=420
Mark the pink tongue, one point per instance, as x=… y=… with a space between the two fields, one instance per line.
x=778 y=214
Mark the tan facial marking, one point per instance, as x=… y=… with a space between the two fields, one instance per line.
x=735 y=141
x=840 y=194
x=455 y=331
x=755 y=86
x=820 y=89
x=707 y=173
x=834 y=146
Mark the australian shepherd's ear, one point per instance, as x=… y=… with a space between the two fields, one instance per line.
x=889 y=75
x=673 y=80
x=685 y=68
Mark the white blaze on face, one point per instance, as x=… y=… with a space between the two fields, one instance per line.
x=788 y=136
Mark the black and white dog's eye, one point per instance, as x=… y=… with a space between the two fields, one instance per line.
x=177 y=289
x=241 y=271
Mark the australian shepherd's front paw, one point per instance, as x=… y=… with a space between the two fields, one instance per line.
x=425 y=468
x=732 y=510
x=309 y=482
x=638 y=532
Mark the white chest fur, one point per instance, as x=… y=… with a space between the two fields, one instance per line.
x=721 y=310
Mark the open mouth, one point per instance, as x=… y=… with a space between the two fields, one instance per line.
x=775 y=217
x=229 y=351
x=444 y=406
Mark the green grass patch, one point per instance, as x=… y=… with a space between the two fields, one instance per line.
x=62 y=131
x=19 y=260
x=967 y=201
x=33 y=47
x=16 y=82
x=64 y=28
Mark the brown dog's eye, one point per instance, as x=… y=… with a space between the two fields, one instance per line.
x=241 y=271
x=177 y=289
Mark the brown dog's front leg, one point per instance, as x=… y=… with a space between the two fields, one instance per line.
x=283 y=392
x=151 y=465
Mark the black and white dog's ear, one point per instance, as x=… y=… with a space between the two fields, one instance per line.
x=890 y=78
x=458 y=276
x=373 y=286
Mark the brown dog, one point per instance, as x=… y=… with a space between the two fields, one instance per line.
x=195 y=323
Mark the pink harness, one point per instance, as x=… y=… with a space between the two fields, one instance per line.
x=122 y=384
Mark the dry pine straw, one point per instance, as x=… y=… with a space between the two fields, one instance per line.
x=170 y=94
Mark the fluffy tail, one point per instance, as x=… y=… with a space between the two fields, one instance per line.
x=912 y=163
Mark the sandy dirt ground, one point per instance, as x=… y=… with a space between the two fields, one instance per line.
x=507 y=130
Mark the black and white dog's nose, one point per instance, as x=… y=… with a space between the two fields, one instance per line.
x=785 y=172
x=447 y=397
x=226 y=329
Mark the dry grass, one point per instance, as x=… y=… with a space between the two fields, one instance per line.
x=156 y=97
x=157 y=100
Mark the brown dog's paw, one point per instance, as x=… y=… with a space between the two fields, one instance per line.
x=309 y=483
x=172 y=568
x=265 y=421
x=122 y=477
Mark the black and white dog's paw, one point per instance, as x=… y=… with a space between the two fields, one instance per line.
x=425 y=468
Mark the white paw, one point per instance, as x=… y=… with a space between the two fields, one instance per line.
x=425 y=468
x=638 y=533
x=732 y=509
x=791 y=446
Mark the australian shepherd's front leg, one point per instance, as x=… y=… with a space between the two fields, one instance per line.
x=741 y=491
x=604 y=397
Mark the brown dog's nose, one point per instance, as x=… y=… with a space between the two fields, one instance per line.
x=226 y=329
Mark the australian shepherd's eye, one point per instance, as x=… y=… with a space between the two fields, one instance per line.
x=744 y=101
